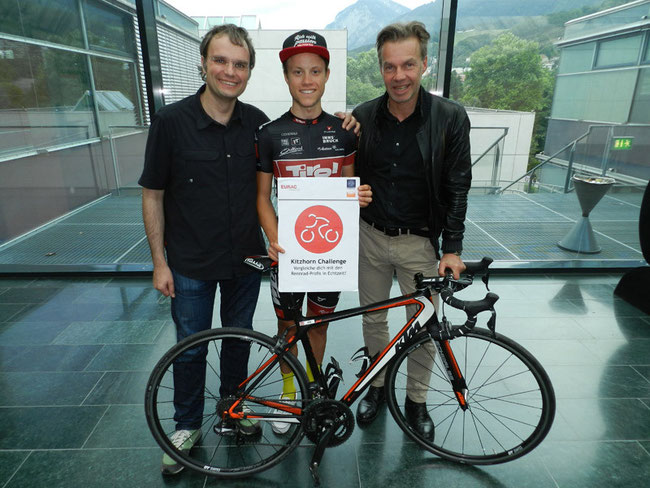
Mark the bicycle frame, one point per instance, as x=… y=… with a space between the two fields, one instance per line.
x=425 y=316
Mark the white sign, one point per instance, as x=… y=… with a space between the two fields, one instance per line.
x=318 y=227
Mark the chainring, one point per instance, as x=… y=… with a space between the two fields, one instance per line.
x=323 y=413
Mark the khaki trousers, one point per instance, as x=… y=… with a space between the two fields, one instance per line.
x=380 y=257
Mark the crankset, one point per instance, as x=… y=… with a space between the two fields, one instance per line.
x=324 y=415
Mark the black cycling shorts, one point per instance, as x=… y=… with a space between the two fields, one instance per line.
x=286 y=304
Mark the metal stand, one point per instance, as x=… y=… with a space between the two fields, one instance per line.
x=590 y=191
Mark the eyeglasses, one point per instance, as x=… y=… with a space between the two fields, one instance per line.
x=237 y=65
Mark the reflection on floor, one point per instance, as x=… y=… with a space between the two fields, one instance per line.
x=516 y=228
x=75 y=354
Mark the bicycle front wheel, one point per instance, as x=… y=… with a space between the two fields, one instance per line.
x=228 y=447
x=510 y=399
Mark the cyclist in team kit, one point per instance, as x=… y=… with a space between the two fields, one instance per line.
x=305 y=141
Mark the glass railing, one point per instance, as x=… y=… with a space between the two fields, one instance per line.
x=127 y=143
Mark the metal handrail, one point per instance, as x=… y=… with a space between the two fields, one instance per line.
x=529 y=172
x=502 y=136
x=571 y=144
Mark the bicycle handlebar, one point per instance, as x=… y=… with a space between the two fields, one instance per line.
x=447 y=285
x=479 y=267
x=471 y=308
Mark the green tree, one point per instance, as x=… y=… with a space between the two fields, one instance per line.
x=364 y=78
x=365 y=68
x=541 y=119
x=359 y=91
x=508 y=75
x=456 y=88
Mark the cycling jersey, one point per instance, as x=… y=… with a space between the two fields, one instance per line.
x=290 y=146
x=294 y=147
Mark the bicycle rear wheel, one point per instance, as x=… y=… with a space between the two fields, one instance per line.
x=510 y=397
x=226 y=448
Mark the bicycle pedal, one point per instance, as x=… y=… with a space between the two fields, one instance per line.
x=224 y=430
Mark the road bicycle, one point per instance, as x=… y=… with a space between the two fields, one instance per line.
x=489 y=398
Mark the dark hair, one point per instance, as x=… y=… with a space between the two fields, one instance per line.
x=401 y=31
x=237 y=35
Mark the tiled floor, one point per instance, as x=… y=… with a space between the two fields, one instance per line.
x=75 y=354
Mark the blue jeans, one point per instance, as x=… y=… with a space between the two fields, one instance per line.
x=192 y=312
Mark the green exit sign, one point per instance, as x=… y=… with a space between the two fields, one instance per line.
x=622 y=143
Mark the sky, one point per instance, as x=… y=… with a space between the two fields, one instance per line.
x=279 y=14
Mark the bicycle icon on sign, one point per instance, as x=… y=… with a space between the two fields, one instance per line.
x=318 y=229
x=324 y=234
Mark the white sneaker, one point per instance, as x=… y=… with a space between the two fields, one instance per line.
x=278 y=426
x=183 y=440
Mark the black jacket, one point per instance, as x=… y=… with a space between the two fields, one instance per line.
x=443 y=140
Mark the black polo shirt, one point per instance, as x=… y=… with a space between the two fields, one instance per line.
x=208 y=172
x=396 y=174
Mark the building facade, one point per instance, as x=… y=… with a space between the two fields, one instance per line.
x=602 y=93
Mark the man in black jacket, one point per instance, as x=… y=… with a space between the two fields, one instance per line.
x=414 y=151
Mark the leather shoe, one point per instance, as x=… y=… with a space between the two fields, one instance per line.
x=369 y=405
x=418 y=419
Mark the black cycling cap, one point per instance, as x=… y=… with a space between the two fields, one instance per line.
x=304 y=41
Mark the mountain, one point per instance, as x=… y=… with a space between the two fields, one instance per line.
x=478 y=21
x=518 y=8
x=365 y=18
x=428 y=14
x=493 y=14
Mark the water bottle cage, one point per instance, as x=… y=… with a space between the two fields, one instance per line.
x=363 y=355
x=333 y=377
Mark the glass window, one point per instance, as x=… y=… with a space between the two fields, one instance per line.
x=646 y=56
x=641 y=105
x=49 y=20
x=597 y=96
x=212 y=21
x=249 y=21
x=607 y=22
x=575 y=59
x=109 y=29
x=179 y=20
x=116 y=94
x=42 y=92
x=623 y=51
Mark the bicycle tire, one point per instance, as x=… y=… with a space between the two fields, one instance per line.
x=215 y=453
x=498 y=426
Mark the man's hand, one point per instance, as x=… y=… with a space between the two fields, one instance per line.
x=274 y=249
x=452 y=263
x=365 y=195
x=349 y=122
x=163 y=280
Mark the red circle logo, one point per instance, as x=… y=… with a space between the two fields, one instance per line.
x=318 y=229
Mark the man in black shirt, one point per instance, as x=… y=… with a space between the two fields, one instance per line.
x=414 y=152
x=198 y=204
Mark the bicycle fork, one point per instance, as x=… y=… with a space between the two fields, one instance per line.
x=454 y=374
